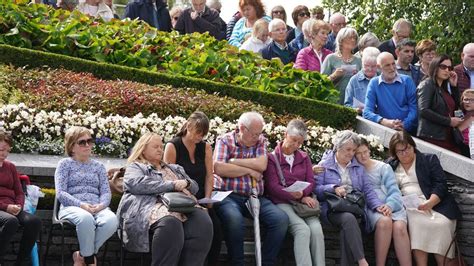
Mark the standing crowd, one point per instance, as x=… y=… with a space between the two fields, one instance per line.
x=241 y=163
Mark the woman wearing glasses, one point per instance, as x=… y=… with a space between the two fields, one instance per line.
x=437 y=102
x=467 y=126
x=83 y=190
x=433 y=209
x=299 y=15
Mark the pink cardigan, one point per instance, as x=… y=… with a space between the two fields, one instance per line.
x=307 y=59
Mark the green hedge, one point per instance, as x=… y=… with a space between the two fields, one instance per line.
x=47 y=203
x=327 y=114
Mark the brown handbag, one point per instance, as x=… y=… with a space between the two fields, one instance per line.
x=458 y=259
x=116 y=179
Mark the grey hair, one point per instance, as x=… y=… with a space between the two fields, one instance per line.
x=370 y=54
x=398 y=24
x=368 y=40
x=335 y=16
x=343 y=34
x=274 y=23
x=296 y=127
x=214 y=4
x=247 y=118
x=344 y=137
x=307 y=28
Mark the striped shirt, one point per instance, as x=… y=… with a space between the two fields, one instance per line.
x=227 y=148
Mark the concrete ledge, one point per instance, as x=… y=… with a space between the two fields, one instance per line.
x=45 y=165
x=452 y=163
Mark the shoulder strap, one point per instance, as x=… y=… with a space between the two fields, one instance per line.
x=280 y=173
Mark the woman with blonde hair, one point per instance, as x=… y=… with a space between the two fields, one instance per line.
x=83 y=190
x=142 y=211
x=312 y=57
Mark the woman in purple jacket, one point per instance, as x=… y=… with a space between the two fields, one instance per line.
x=296 y=166
x=343 y=174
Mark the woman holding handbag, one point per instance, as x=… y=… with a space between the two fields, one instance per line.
x=342 y=175
x=383 y=180
x=178 y=238
x=287 y=165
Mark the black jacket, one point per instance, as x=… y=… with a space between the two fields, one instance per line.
x=209 y=21
x=432 y=180
x=433 y=117
x=144 y=9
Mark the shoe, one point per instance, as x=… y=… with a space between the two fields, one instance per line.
x=78 y=259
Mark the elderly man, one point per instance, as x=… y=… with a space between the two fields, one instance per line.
x=465 y=70
x=153 y=12
x=200 y=18
x=278 y=48
x=337 y=22
x=405 y=52
x=356 y=89
x=240 y=158
x=401 y=30
x=391 y=97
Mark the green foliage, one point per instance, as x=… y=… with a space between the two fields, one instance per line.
x=327 y=114
x=448 y=23
x=136 y=44
x=47 y=202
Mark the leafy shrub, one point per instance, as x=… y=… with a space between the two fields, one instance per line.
x=326 y=113
x=136 y=44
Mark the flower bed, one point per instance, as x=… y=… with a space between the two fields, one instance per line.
x=136 y=44
x=115 y=134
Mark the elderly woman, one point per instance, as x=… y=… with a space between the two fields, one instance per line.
x=251 y=10
x=175 y=12
x=83 y=190
x=299 y=15
x=426 y=51
x=356 y=89
x=279 y=12
x=296 y=166
x=367 y=40
x=12 y=199
x=96 y=8
x=343 y=174
x=312 y=57
x=342 y=65
x=421 y=175
x=142 y=211
x=389 y=226
x=436 y=104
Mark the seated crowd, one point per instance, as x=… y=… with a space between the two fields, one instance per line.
x=241 y=163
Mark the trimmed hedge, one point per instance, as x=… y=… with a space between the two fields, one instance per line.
x=327 y=114
x=47 y=203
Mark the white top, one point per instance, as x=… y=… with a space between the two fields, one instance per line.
x=471 y=139
x=102 y=10
x=254 y=44
x=289 y=159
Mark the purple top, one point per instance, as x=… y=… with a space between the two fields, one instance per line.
x=301 y=171
x=308 y=60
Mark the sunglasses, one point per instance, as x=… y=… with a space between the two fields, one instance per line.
x=304 y=14
x=444 y=67
x=84 y=142
x=278 y=12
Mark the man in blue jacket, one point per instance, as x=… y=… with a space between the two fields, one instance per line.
x=153 y=12
x=391 y=97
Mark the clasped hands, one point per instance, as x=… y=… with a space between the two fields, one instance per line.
x=92 y=208
x=13 y=209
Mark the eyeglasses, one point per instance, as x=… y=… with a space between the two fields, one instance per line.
x=342 y=24
x=467 y=100
x=281 y=12
x=280 y=30
x=84 y=142
x=444 y=67
x=304 y=14
x=405 y=151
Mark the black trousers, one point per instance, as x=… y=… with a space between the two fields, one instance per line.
x=178 y=243
x=9 y=225
x=352 y=248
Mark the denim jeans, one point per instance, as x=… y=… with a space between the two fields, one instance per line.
x=232 y=211
x=92 y=229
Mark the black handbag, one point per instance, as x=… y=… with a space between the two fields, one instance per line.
x=458 y=137
x=301 y=209
x=178 y=202
x=354 y=202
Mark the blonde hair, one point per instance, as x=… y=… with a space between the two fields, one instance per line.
x=259 y=26
x=137 y=151
x=72 y=135
x=464 y=95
